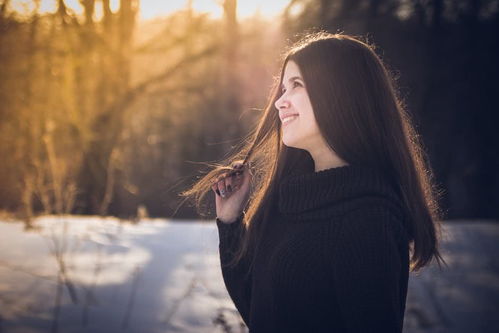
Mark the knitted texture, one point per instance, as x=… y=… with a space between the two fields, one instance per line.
x=334 y=257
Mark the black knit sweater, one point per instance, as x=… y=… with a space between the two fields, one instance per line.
x=333 y=258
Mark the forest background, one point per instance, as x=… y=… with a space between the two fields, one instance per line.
x=104 y=112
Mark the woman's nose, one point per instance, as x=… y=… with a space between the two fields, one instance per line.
x=281 y=103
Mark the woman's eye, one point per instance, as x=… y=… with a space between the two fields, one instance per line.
x=295 y=84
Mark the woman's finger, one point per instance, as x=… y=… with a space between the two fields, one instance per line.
x=237 y=164
x=221 y=187
x=229 y=185
x=236 y=182
x=237 y=179
x=214 y=187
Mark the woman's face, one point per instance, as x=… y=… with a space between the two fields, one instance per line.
x=299 y=127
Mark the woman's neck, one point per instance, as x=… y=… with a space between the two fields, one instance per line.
x=325 y=158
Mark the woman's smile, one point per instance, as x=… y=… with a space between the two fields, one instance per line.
x=287 y=120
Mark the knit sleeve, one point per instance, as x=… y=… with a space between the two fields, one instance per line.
x=236 y=278
x=366 y=271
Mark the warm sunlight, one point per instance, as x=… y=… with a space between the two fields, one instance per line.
x=152 y=8
x=246 y=8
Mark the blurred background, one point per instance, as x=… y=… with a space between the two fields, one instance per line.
x=108 y=108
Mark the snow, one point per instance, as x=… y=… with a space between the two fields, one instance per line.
x=94 y=274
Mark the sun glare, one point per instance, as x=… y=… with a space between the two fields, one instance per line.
x=153 y=8
x=245 y=8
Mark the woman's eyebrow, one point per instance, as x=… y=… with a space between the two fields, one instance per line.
x=294 y=78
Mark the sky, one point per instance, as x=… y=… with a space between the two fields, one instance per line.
x=156 y=8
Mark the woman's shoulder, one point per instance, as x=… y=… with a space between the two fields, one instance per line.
x=360 y=217
x=372 y=205
x=365 y=219
x=374 y=218
x=375 y=204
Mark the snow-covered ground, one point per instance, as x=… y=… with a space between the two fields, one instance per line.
x=92 y=274
x=465 y=296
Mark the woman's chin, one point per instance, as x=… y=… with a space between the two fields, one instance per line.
x=289 y=143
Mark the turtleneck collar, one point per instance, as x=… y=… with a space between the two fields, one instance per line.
x=315 y=195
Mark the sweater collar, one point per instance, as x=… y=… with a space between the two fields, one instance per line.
x=316 y=194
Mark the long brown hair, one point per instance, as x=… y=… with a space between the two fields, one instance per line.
x=362 y=118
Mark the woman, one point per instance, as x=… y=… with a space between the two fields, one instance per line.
x=319 y=213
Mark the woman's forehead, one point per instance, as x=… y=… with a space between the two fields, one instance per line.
x=291 y=72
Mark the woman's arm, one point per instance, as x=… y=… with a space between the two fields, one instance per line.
x=367 y=269
x=236 y=279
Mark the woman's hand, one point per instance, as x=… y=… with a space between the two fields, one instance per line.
x=231 y=192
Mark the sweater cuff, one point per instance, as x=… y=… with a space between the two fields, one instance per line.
x=230 y=233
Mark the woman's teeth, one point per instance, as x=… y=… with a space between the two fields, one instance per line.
x=288 y=119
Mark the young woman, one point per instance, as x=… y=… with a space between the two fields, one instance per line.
x=319 y=213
